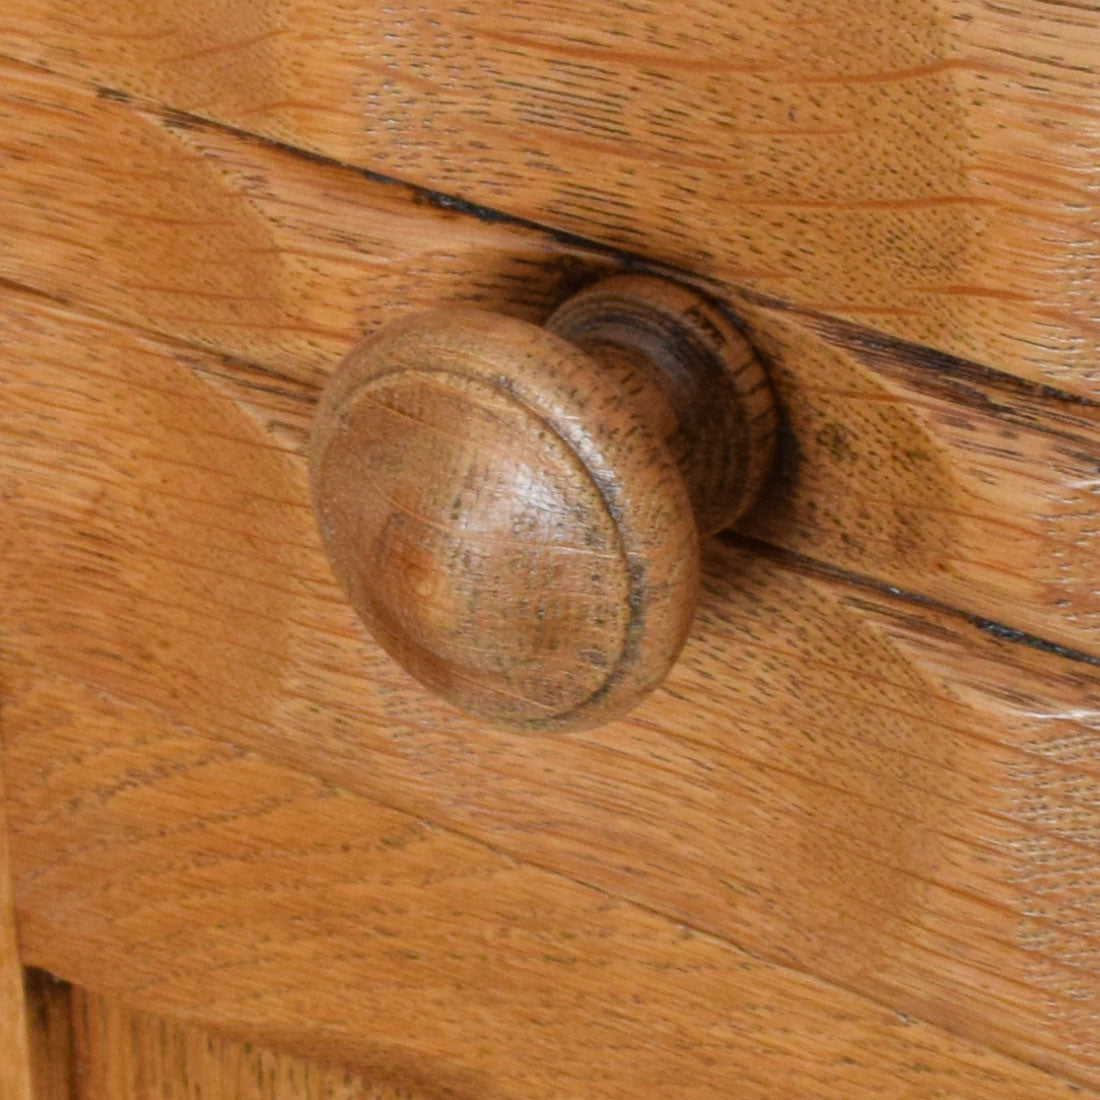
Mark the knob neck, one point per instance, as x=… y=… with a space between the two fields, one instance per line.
x=697 y=381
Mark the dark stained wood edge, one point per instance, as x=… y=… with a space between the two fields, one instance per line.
x=801 y=563
x=876 y=349
x=962 y=381
x=15 y=1080
x=52 y=1039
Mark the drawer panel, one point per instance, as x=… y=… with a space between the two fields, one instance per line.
x=927 y=167
x=842 y=781
x=965 y=485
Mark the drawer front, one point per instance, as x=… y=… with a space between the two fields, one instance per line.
x=946 y=478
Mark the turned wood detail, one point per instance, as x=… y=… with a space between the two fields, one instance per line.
x=515 y=511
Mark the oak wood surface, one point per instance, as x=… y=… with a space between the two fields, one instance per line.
x=512 y=510
x=14 y=1055
x=234 y=893
x=844 y=782
x=941 y=812
x=927 y=167
x=938 y=475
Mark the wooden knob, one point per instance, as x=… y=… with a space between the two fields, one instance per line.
x=515 y=511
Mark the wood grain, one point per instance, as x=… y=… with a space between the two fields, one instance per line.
x=928 y=167
x=14 y=1055
x=889 y=795
x=127 y=1055
x=935 y=474
x=234 y=893
x=516 y=536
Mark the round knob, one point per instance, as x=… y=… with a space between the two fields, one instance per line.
x=515 y=511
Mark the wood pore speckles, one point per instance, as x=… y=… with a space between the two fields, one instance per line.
x=928 y=167
x=235 y=894
x=894 y=796
x=943 y=476
x=865 y=788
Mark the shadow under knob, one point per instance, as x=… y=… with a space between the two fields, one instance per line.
x=515 y=511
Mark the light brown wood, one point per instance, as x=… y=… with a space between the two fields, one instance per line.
x=941 y=476
x=515 y=511
x=15 y=1081
x=231 y=892
x=846 y=783
x=826 y=769
x=928 y=167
